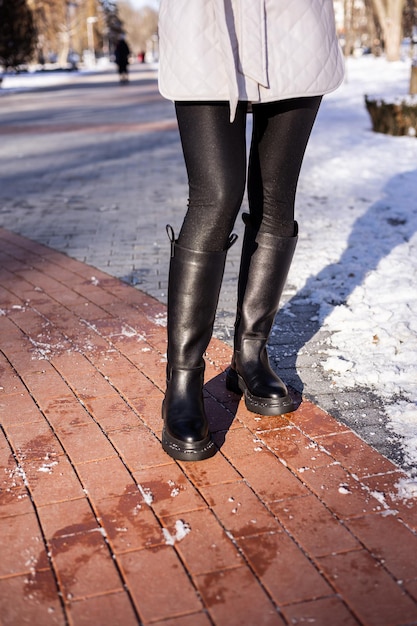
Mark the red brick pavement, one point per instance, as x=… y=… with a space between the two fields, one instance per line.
x=295 y=520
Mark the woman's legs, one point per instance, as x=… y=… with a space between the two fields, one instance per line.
x=214 y=152
x=280 y=135
x=281 y=131
x=215 y=157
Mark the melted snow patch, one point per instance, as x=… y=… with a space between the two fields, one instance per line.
x=181 y=531
x=344 y=490
x=47 y=467
x=379 y=496
x=175 y=491
x=20 y=473
x=146 y=494
x=128 y=331
x=43 y=349
x=14 y=307
x=160 y=319
x=406 y=489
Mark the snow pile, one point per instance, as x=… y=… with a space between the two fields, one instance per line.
x=406 y=489
x=34 y=80
x=357 y=255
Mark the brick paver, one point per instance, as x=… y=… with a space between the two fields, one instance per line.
x=295 y=520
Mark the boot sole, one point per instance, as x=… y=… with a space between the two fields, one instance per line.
x=255 y=404
x=183 y=451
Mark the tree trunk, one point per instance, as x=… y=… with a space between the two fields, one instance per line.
x=413 y=80
x=389 y=13
x=393 y=118
x=349 y=34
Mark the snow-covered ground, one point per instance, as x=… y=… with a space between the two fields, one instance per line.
x=358 y=207
x=34 y=80
x=53 y=75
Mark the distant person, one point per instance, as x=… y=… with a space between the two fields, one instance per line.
x=122 y=54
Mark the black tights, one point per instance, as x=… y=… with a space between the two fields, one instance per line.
x=215 y=158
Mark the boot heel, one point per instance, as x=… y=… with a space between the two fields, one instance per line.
x=232 y=382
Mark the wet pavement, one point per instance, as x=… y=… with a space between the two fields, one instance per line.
x=294 y=520
x=297 y=519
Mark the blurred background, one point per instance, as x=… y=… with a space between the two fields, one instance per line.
x=40 y=35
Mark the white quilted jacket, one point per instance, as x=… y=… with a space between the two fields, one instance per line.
x=255 y=50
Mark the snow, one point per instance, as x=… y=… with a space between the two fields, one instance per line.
x=357 y=204
x=181 y=531
x=35 y=80
x=146 y=494
x=406 y=489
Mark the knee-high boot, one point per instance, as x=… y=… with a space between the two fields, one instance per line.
x=265 y=263
x=193 y=291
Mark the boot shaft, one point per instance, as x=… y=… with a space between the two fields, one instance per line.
x=265 y=263
x=194 y=284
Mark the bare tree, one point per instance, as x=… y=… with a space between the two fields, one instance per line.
x=358 y=29
x=17 y=34
x=372 y=28
x=140 y=25
x=49 y=16
x=62 y=26
x=389 y=14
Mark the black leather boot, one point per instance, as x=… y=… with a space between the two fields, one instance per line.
x=265 y=263
x=193 y=291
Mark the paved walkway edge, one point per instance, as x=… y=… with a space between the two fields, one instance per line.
x=296 y=519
